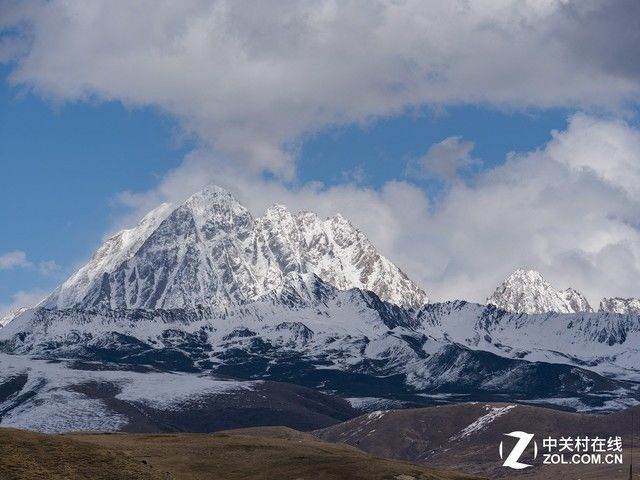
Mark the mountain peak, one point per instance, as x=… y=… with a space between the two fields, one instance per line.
x=210 y=251
x=211 y=198
x=526 y=291
x=527 y=275
x=340 y=219
x=115 y=250
x=277 y=210
x=211 y=193
x=626 y=306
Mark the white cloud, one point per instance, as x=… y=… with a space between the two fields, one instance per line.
x=444 y=160
x=610 y=149
x=15 y=259
x=252 y=78
x=22 y=299
x=48 y=267
x=18 y=259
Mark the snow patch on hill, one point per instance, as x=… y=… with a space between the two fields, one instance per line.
x=482 y=422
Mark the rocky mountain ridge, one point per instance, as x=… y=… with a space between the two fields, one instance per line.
x=211 y=252
x=354 y=344
x=526 y=291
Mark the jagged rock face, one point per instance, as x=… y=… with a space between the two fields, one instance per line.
x=626 y=306
x=210 y=251
x=575 y=301
x=114 y=251
x=526 y=291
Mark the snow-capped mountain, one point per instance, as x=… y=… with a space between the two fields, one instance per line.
x=625 y=306
x=606 y=343
x=211 y=252
x=353 y=344
x=526 y=291
x=206 y=287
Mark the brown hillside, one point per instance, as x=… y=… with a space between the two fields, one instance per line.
x=257 y=453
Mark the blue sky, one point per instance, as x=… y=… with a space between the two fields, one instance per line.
x=61 y=166
x=384 y=147
x=269 y=99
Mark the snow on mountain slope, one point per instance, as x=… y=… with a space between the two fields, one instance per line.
x=47 y=397
x=211 y=252
x=626 y=306
x=536 y=322
x=11 y=315
x=607 y=343
x=338 y=253
x=575 y=301
x=114 y=251
x=525 y=291
x=348 y=342
x=65 y=395
x=305 y=313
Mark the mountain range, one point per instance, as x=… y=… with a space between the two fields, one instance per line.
x=206 y=289
x=526 y=291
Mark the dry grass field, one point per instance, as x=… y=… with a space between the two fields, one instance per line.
x=257 y=453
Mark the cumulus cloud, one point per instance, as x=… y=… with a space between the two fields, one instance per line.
x=18 y=259
x=251 y=79
x=444 y=160
x=603 y=34
x=610 y=149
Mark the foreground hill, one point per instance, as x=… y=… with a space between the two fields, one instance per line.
x=466 y=436
x=259 y=453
